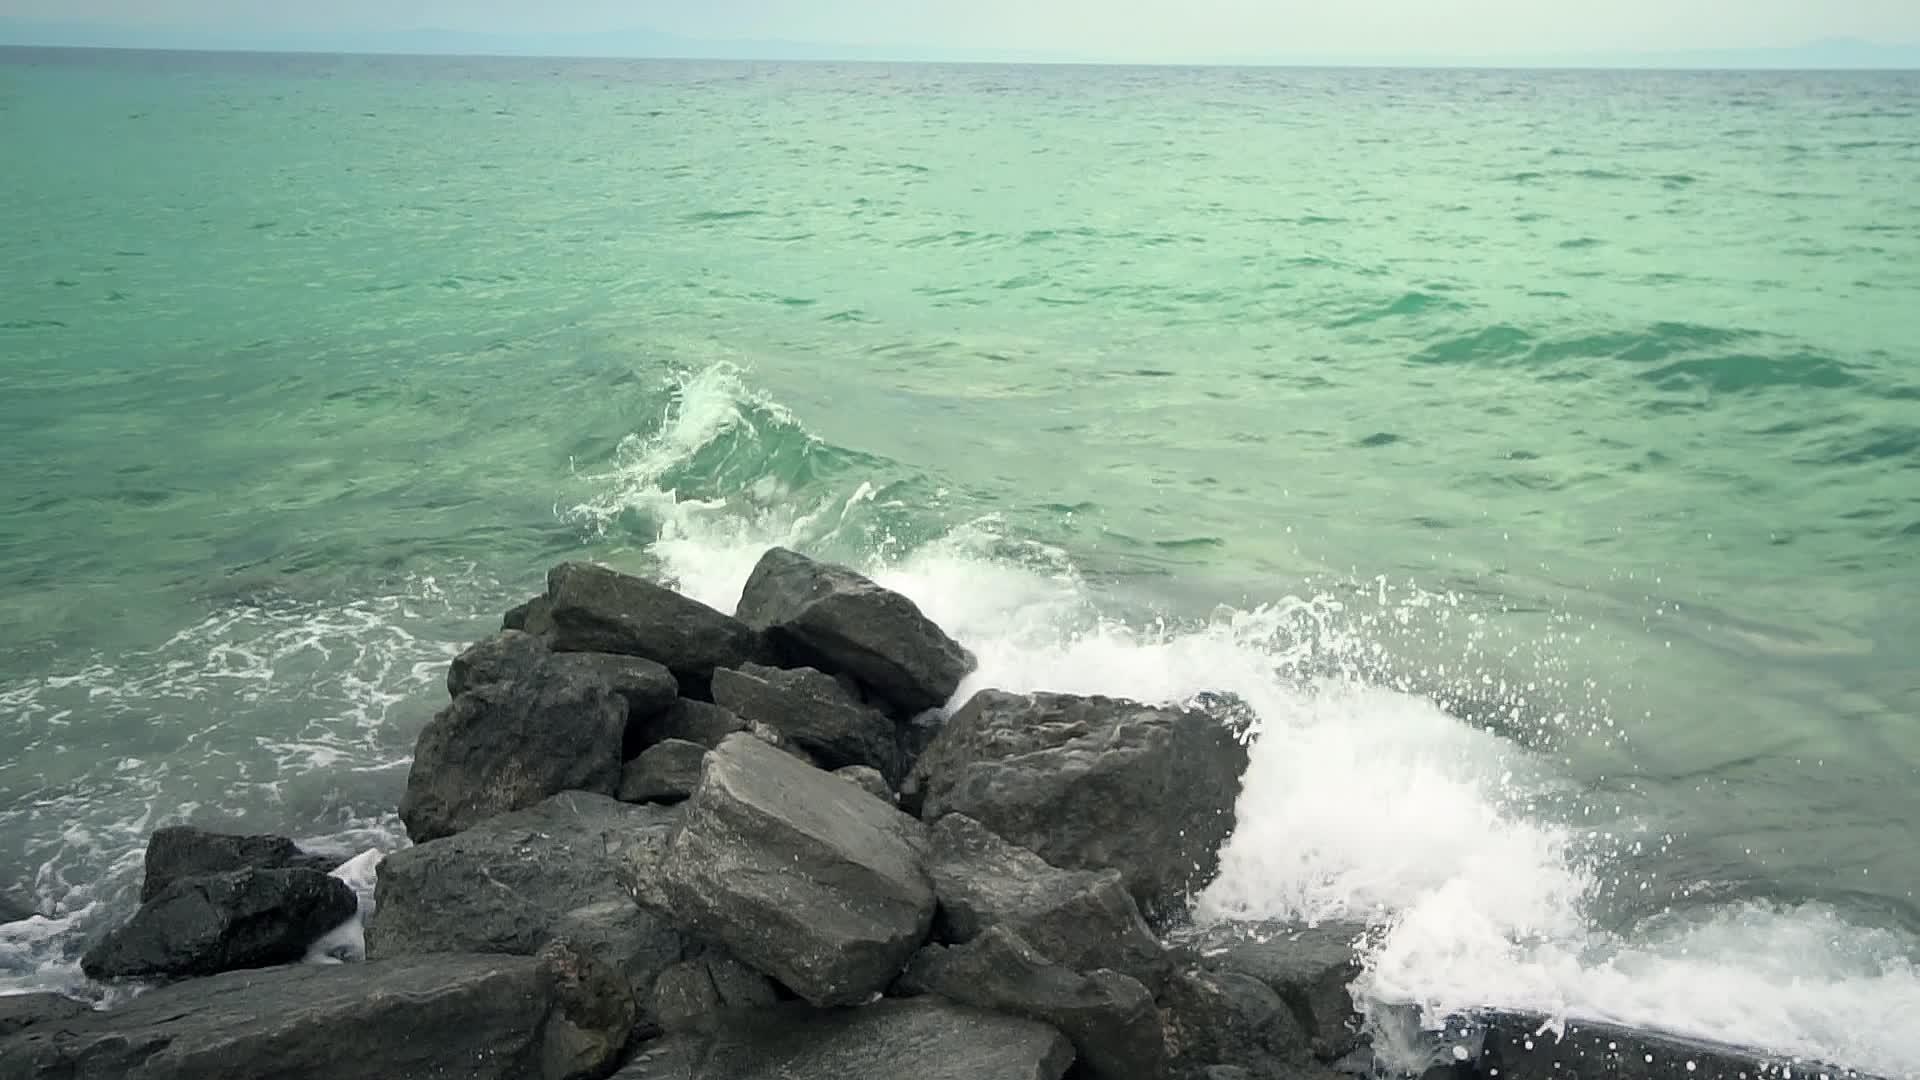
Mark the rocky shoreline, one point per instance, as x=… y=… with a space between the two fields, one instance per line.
x=654 y=841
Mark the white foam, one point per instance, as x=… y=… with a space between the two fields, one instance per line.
x=347 y=943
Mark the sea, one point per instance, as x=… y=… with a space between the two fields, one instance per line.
x=1535 y=453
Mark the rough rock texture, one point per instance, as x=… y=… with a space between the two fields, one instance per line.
x=867 y=779
x=836 y=620
x=811 y=711
x=595 y=609
x=1591 y=1051
x=664 y=772
x=649 y=689
x=535 y=616
x=430 y=1018
x=504 y=657
x=21 y=1011
x=220 y=922
x=1226 y=1018
x=1309 y=967
x=698 y=992
x=799 y=873
x=1109 y=1017
x=1082 y=919
x=516 y=882
x=693 y=721
x=1091 y=783
x=922 y=1039
x=179 y=851
x=505 y=746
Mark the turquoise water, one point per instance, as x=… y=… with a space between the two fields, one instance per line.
x=1538 y=452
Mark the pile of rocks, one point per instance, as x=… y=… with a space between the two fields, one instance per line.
x=659 y=842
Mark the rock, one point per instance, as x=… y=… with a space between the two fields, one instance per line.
x=1590 y=1051
x=922 y=1039
x=798 y=873
x=504 y=657
x=426 y=1018
x=1309 y=967
x=693 y=994
x=836 y=620
x=13 y=909
x=180 y=851
x=664 y=772
x=219 y=922
x=1226 y=1018
x=595 y=609
x=1083 y=919
x=1225 y=1072
x=1109 y=1017
x=514 y=883
x=693 y=721
x=504 y=746
x=648 y=689
x=1091 y=783
x=534 y=616
x=19 y=1012
x=811 y=711
x=867 y=779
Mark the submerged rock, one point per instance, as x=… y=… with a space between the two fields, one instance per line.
x=841 y=622
x=1309 y=967
x=811 y=711
x=180 y=851
x=504 y=746
x=514 y=883
x=798 y=873
x=220 y=922
x=922 y=1039
x=426 y=1018
x=664 y=772
x=1082 y=919
x=1091 y=783
x=1109 y=1017
x=595 y=609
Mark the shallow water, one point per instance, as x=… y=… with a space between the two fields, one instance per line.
x=1536 y=452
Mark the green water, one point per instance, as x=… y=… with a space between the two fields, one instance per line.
x=1590 y=399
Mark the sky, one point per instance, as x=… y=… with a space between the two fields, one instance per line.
x=1108 y=29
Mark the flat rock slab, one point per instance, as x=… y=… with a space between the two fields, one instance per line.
x=516 y=882
x=921 y=1039
x=1082 y=919
x=504 y=746
x=431 y=1018
x=664 y=772
x=1091 y=783
x=1109 y=1017
x=19 y=1012
x=843 y=623
x=179 y=851
x=594 y=609
x=798 y=873
x=1520 y=1048
x=220 y=922
x=813 y=712
x=1309 y=967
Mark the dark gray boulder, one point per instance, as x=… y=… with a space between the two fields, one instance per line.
x=180 y=851
x=664 y=772
x=1520 y=1049
x=834 y=619
x=19 y=1012
x=702 y=990
x=514 y=883
x=220 y=922
x=798 y=873
x=1091 y=783
x=426 y=1018
x=504 y=657
x=922 y=1039
x=1109 y=1017
x=504 y=746
x=648 y=689
x=867 y=779
x=535 y=616
x=811 y=711
x=594 y=609
x=693 y=721
x=1309 y=967
x=1226 y=1018
x=1083 y=919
